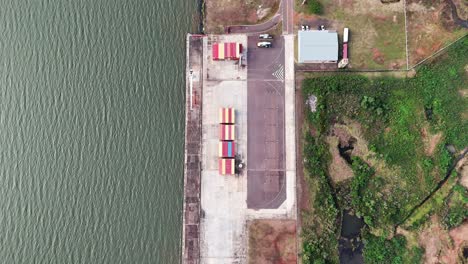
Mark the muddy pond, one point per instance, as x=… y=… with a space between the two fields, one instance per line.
x=350 y=244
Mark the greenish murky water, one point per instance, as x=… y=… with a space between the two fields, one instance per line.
x=91 y=130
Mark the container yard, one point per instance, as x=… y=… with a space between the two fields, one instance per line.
x=226 y=175
x=224 y=120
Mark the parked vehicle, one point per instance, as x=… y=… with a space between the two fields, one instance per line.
x=264 y=44
x=265 y=36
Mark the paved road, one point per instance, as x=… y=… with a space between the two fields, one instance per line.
x=245 y=29
x=266 y=185
x=285 y=14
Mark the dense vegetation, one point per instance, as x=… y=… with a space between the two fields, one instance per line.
x=398 y=118
x=320 y=233
x=458 y=207
x=393 y=251
x=366 y=201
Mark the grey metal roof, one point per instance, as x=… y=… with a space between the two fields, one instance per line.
x=318 y=45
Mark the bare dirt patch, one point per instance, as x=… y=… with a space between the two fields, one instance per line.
x=272 y=241
x=339 y=170
x=221 y=13
x=434 y=239
x=430 y=140
x=459 y=238
x=344 y=136
x=464 y=92
x=462 y=8
x=430 y=28
x=377 y=56
x=462 y=168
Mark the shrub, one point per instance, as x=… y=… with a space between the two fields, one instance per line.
x=378 y=250
x=315 y=7
x=455 y=216
x=319 y=243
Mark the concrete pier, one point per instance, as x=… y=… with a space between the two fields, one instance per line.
x=192 y=164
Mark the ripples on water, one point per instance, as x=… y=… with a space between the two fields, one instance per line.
x=91 y=130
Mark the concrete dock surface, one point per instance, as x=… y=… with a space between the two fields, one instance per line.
x=219 y=207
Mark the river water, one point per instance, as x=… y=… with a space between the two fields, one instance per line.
x=91 y=130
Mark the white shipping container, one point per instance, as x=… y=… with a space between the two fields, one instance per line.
x=345 y=35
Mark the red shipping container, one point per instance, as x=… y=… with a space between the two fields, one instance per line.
x=226 y=149
x=227 y=132
x=226 y=166
x=345 y=51
x=215 y=51
x=226 y=116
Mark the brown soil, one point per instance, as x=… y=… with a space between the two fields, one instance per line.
x=464 y=92
x=378 y=56
x=459 y=238
x=272 y=241
x=464 y=115
x=434 y=239
x=462 y=8
x=398 y=64
x=375 y=7
x=411 y=73
x=430 y=28
x=221 y=13
x=462 y=168
x=430 y=141
x=339 y=170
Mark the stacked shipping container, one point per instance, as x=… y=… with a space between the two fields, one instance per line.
x=226 y=51
x=226 y=145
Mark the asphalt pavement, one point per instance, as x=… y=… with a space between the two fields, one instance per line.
x=266 y=185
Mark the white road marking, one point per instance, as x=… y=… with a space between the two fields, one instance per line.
x=279 y=73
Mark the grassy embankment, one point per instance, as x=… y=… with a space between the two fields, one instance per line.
x=403 y=126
